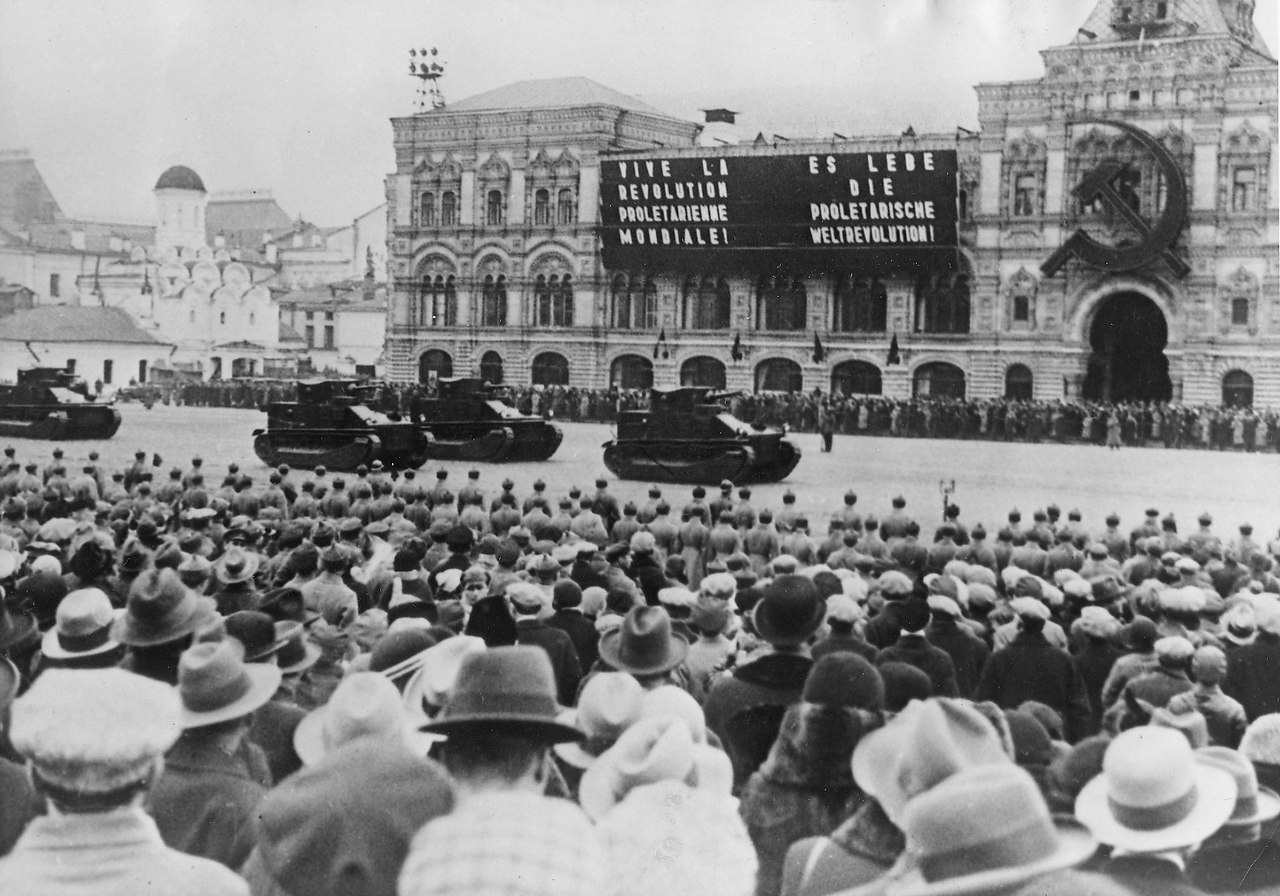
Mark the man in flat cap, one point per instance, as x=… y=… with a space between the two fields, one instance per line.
x=95 y=741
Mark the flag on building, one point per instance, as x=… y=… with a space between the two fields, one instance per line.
x=661 y=345
x=736 y=352
x=818 y=352
x=895 y=356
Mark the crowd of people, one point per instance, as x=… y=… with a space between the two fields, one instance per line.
x=375 y=683
x=1218 y=428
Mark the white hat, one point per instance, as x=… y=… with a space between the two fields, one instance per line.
x=677 y=597
x=94 y=730
x=940 y=603
x=1029 y=607
x=437 y=674
x=365 y=704
x=608 y=705
x=1154 y=794
x=83 y=626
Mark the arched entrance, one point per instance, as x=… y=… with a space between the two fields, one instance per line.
x=434 y=364
x=1128 y=336
x=631 y=372
x=550 y=369
x=1237 y=389
x=491 y=368
x=779 y=375
x=1018 y=383
x=856 y=378
x=938 y=379
x=703 y=371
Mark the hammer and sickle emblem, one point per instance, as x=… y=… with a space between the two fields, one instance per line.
x=1156 y=239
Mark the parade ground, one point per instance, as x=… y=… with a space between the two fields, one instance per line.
x=990 y=478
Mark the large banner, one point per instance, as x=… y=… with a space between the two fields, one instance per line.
x=817 y=213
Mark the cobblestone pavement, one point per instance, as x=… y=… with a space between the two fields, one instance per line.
x=990 y=477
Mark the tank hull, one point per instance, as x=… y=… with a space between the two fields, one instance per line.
x=507 y=441
x=697 y=462
x=399 y=447
x=58 y=422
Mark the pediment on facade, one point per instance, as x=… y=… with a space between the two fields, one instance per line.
x=494 y=168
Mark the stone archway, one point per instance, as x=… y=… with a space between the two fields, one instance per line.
x=1128 y=334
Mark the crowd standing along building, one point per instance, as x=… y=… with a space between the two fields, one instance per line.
x=1151 y=135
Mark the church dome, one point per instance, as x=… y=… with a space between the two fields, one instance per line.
x=180 y=177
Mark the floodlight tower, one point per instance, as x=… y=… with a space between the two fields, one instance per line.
x=424 y=66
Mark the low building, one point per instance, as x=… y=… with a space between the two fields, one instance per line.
x=102 y=345
x=343 y=326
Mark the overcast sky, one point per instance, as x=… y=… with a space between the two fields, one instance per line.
x=295 y=96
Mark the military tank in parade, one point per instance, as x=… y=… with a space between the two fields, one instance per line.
x=331 y=424
x=469 y=420
x=688 y=435
x=53 y=403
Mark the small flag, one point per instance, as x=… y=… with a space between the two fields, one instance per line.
x=661 y=345
x=736 y=351
x=818 y=352
x=895 y=357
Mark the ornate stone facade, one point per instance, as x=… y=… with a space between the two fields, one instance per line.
x=494 y=256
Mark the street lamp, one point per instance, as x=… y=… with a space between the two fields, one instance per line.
x=947 y=488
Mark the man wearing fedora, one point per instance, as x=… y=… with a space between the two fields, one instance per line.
x=787 y=616
x=504 y=836
x=1154 y=804
x=160 y=621
x=234 y=572
x=95 y=742
x=81 y=635
x=204 y=802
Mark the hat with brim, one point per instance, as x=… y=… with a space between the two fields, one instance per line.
x=9 y=681
x=236 y=566
x=1254 y=804
x=610 y=703
x=364 y=705
x=161 y=609
x=1153 y=795
x=644 y=643
x=297 y=654
x=217 y=685
x=790 y=611
x=83 y=626
x=948 y=847
x=15 y=628
x=504 y=690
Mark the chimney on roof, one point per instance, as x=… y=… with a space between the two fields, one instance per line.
x=721 y=128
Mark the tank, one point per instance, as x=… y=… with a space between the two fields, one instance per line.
x=53 y=403
x=688 y=435
x=330 y=424
x=469 y=420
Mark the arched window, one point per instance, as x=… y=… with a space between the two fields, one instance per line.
x=1018 y=383
x=550 y=369
x=494 y=213
x=705 y=304
x=553 y=300
x=542 y=207
x=434 y=364
x=1240 y=311
x=631 y=372
x=449 y=209
x=493 y=301
x=491 y=368
x=703 y=371
x=566 y=208
x=861 y=306
x=437 y=304
x=1237 y=389
x=942 y=303
x=620 y=302
x=782 y=303
x=856 y=378
x=779 y=375
x=427 y=210
x=938 y=380
x=633 y=302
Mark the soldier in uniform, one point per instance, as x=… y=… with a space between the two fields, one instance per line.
x=744 y=515
x=761 y=543
x=851 y=519
x=787 y=516
x=629 y=525
x=871 y=544
x=436 y=495
x=606 y=505
x=472 y=490
x=649 y=510
x=1203 y=543
x=977 y=552
x=197 y=465
x=798 y=544
x=507 y=489
x=537 y=499
x=722 y=503
x=692 y=541
x=894 y=525
x=665 y=533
